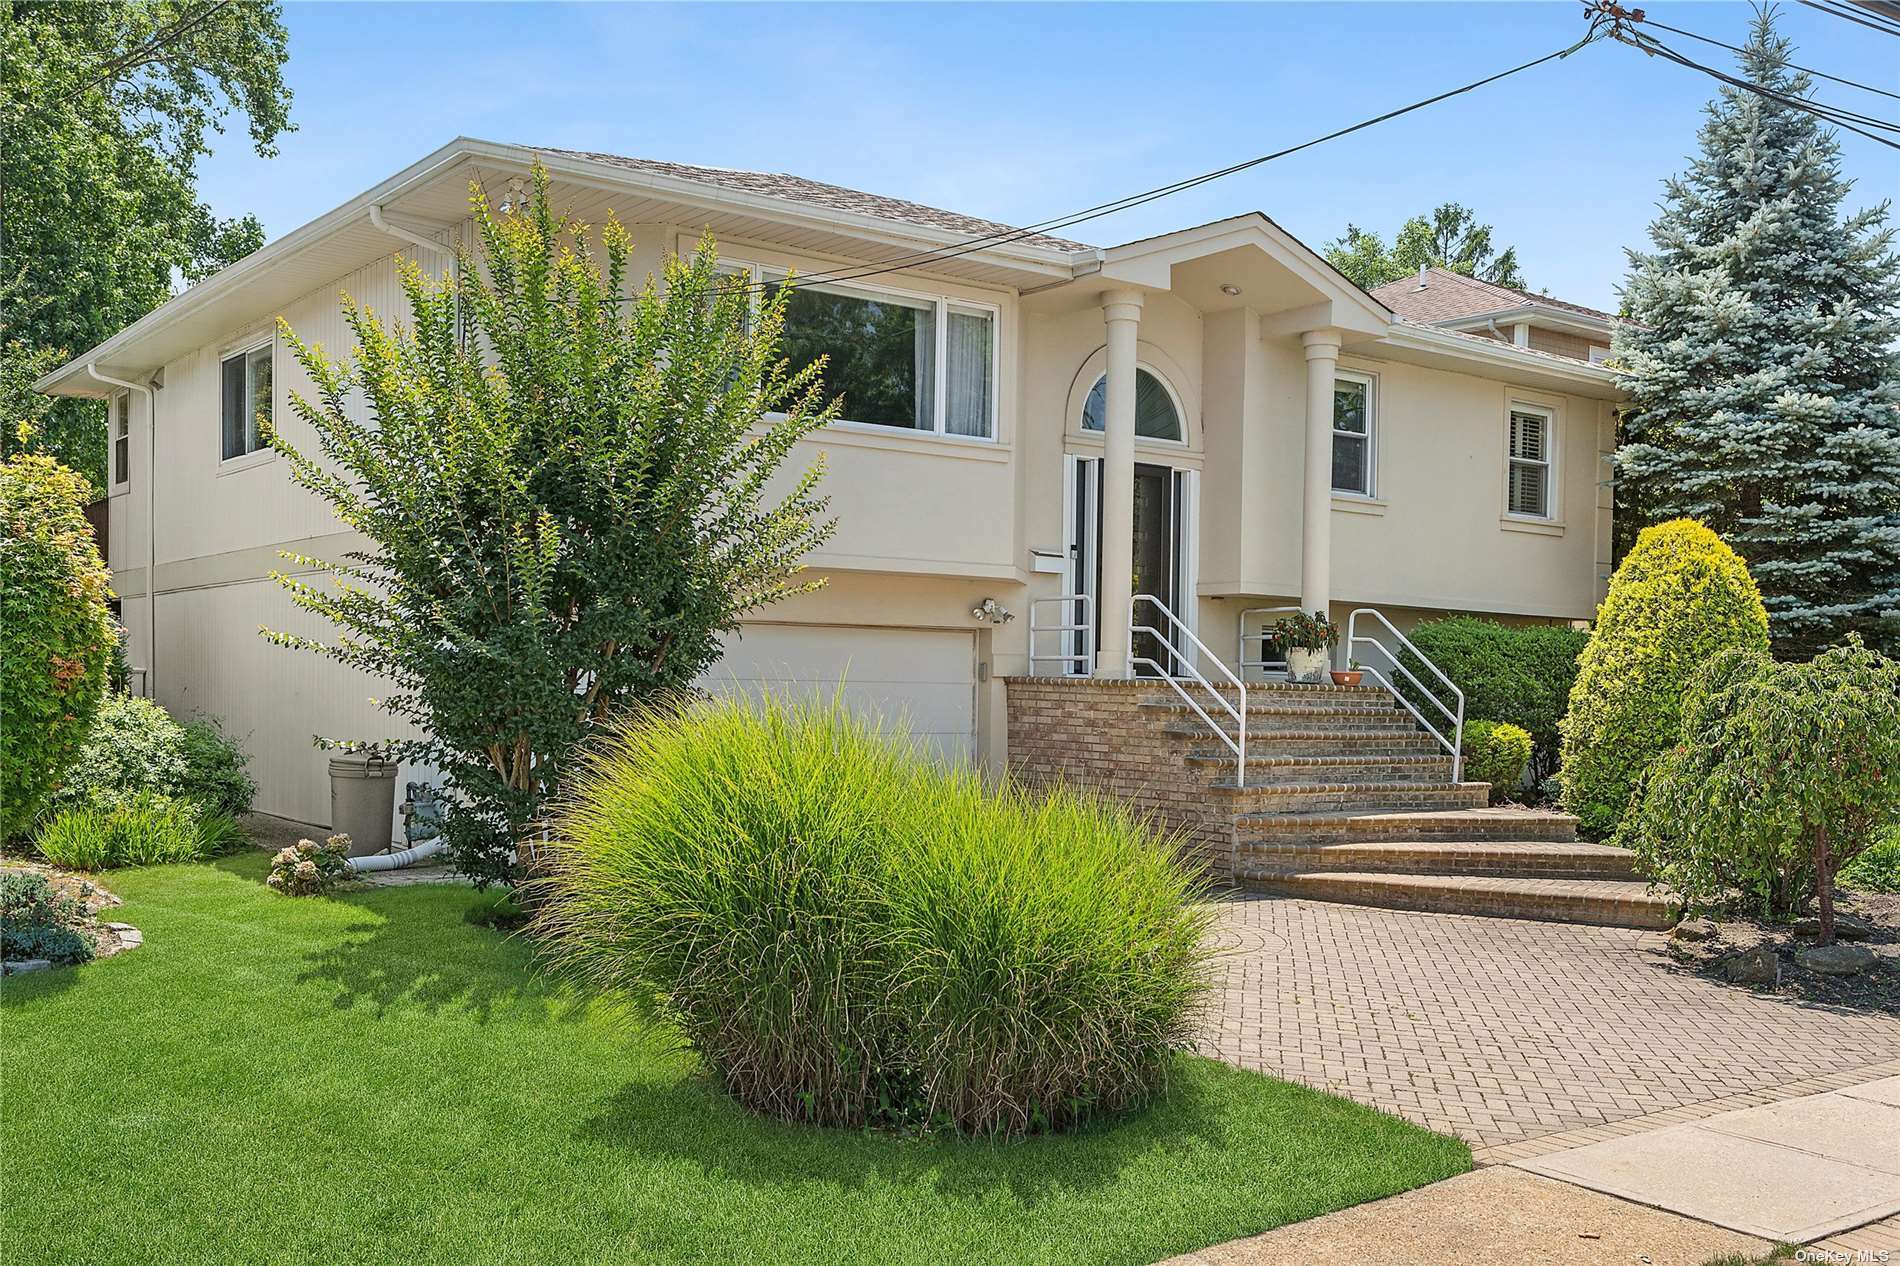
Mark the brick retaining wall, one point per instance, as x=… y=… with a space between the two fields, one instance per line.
x=1093 y=733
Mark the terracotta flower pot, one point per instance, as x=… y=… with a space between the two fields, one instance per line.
x=1341 y=678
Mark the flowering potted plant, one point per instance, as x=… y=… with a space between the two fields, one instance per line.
x=1307 y=638
x=1349 y=677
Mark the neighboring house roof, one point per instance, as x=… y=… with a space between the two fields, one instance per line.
x=836 y=197
x=1438 y=295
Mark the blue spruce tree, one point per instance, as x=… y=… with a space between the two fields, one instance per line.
x=1762 y=366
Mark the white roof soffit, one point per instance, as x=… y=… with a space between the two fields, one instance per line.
x=433 y=194
x=1273 y=271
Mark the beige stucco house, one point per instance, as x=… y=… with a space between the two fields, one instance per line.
x=1212 y=416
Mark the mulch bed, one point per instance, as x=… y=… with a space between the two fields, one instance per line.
x=112 y=936
x=1876 y=988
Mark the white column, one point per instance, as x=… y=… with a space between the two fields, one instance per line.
x=1316 y=544
x=1121 y=313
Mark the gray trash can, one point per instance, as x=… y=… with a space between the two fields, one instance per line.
x=363 y=801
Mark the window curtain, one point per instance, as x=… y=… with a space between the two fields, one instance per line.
x=969 y=343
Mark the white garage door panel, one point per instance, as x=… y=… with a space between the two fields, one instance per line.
x=922 y=680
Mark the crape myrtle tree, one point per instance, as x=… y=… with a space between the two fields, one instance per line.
x=1761 y=365
x=568 y=493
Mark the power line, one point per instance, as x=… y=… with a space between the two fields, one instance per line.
x=1806 y=70
x=1869 y=17
x=1845 y=119
x=1002 y=236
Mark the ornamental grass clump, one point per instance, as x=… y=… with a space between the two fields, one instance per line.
x=850 y=935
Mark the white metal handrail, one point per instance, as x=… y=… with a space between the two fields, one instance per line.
x=1237 y=712
x=1081 y=620
x=1264 y=636
x=1455 y=744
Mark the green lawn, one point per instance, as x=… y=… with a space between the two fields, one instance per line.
x=376 y=1079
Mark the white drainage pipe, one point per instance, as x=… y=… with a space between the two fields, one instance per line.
x=392 y=861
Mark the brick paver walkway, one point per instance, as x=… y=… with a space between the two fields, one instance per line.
x=1502 y=1030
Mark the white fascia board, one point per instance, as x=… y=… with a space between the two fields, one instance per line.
x=1535 y=314
x=215 y=287
x=1505 y=356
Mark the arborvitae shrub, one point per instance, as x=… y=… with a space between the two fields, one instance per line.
x=1681 y=596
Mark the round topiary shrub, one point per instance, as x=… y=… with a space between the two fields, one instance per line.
x=1497 y=752
x=850 y=935
x=56 y=633
x=1680 y=596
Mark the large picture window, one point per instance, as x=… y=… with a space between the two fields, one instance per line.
x=898 y=361
x=1353 y=432
x=246 y=400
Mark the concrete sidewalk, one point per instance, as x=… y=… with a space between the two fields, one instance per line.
x=1495 y=1215
x=1796 y=1171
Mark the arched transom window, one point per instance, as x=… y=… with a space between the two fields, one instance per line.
x=1156 y=417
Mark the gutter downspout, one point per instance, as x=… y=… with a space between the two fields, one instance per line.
x=151 y=522
x=453 y=252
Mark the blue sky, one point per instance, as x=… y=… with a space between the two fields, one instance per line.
x=1019 y=113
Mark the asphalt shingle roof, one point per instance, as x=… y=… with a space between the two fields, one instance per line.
x=1447 y=295
x=834 y=197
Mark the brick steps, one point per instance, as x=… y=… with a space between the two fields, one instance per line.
x=1602 y=902
x=1392 y=826
x=1343 y=798
x=1398 y=741
x=1511 y=859
x=1270 y=768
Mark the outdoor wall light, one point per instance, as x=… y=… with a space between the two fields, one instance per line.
x=992 y=611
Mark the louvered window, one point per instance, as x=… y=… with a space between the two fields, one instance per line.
x=1529 y=472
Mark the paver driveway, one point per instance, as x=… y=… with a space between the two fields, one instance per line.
x=1502 y=1031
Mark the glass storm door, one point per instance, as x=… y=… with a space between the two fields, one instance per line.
x=1163 y=557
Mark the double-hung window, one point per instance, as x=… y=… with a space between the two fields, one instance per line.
x=119 y=420
x=1527 y=478
x=1354 y=429
x=915 y=364
x=246 y=400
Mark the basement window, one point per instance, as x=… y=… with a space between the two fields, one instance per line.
x=246 y=400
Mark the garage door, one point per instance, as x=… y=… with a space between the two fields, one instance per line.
x=921 y=679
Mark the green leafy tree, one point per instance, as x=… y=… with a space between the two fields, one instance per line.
x=1450 y=237
x=106 y=110
x=56 y=633
x=1680 y=596
x=1786 y=773
x=565 y=509
x=1762 y=362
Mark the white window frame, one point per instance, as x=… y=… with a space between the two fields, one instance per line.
x=1552 y=509
x=763 y=275
x=244 y=351
x=119 y=431
x=1371 y=383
